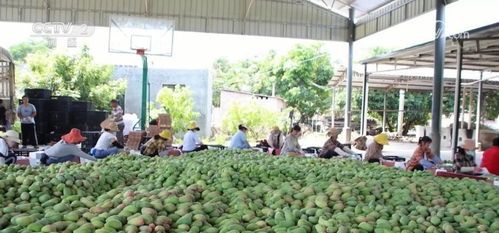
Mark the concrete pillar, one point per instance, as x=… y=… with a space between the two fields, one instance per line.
x=400 y=120
x=348 y=101
x=436 y=109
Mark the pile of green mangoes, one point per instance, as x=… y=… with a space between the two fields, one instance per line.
x=239 y=191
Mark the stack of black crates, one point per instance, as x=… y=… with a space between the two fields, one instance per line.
x=57 y=115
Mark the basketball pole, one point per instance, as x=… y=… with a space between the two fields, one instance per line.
x=144 y=92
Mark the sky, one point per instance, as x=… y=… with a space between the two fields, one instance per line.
x=199 y=50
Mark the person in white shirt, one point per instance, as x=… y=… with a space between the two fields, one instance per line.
x=192 y=142
x=108 y=142
x=8 y=140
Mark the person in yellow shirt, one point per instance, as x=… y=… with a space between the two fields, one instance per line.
x=157 y=144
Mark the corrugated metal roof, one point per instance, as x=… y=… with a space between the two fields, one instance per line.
x=278 y=18
x=480 y=52
x=362 y=7
x=414 y=79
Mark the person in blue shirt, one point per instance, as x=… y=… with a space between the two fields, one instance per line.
x=239 y=140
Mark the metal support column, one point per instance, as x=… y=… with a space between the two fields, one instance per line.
x=400 y=119
x=457 y=98
x=384 y=112
x=478 y=110
x=363 y=112
x=436 y=109
x=333 y=108
x=348 y=101
x=143 y=114
x=470 y=109
x=463 y=108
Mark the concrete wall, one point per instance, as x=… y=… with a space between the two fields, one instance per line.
x=198 y=81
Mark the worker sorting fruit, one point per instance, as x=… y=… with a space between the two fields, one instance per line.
x=239 y=140
x=192 y=142
x=374 y=150
x=66 y=149
x=8 y=140
x=291 y=145
x=465 y=155
x=276 y=140
x=108 y=142
x=157 y=144
x=423 y=158
x=333 y=148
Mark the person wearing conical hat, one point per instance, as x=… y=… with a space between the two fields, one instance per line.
x=276 y=140
x=192 y=142
x=108 y=142
x=8 y=141
x=333 y=147
x=66 y=149
x=374 y=150
x=157 y=144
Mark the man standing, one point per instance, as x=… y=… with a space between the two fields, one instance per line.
x=26 y=113
x=117 y=116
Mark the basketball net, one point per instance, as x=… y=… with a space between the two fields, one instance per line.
x=140 y=52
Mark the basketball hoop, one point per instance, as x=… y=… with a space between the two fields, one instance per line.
x=140 y=35
x=141 y=52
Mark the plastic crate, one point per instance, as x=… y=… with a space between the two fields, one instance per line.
x=81 y=106
x=38 y=93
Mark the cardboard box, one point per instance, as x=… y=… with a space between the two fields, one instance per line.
x=165 y=121
x=153 y=130
x=134 y=139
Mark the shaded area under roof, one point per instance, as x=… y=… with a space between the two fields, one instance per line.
x=416 y=79
x=480 y=52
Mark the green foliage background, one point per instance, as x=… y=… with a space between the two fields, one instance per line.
x=65 y=75
x=178 y=102
x=300 y=77
x=258 y=120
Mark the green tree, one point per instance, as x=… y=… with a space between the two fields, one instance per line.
x=178 y=102
x=20 y=51
x=76 y=76
x=302 y=79
x=491 y=105
x=258 y=120
x=249 y=75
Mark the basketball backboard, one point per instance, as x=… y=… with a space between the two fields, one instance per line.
x=128 y=34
